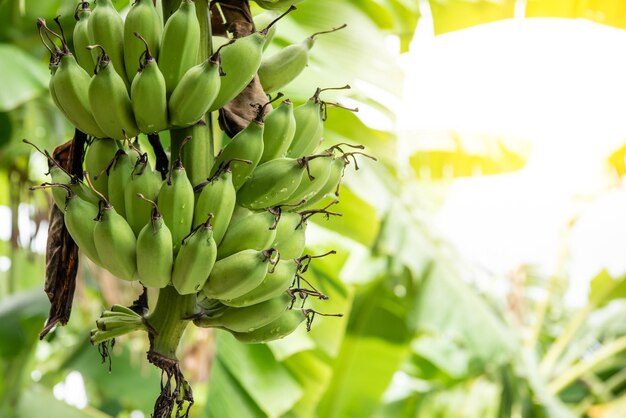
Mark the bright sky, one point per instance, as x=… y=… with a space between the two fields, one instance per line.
x=559 y=83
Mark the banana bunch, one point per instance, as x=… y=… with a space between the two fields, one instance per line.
x=235 y=238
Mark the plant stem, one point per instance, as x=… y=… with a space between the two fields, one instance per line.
x=585 y=366
x=167 y=320
x=560 y=344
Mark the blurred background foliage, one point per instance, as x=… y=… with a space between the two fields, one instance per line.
x=422 y=335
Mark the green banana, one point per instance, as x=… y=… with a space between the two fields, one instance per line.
x=254 y=232
x=148 y=94
x=106 y=28
x=195 y=260
x=264 y=19
x=309 y=127
x=179 y=45
x=291 y=230
x=330 y=190
x=85 y=58
x=239 y=273
x=143 y=180
x=240 y=63
x=239 y=213
x=318 y=170
x=310 y=118
x=79 y=218
x=275 y=330
x=70 y=84
x=109 y=100
x=115 y=240
x=176 y=203
x=197 y=157
x=273 y=285
x=217 y=196
x=290 y=235
x=271 y=183
x=249 y=318
x=280 y=126
x=144 y=19
x=60 y=177
x=195 y=92
x=119 y=172
x=246 y=145
x=99 y=154
x=281 y=68
x=155 y=257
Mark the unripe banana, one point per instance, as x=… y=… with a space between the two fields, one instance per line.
x=280 y=69
x=109 y=100
x=280 y=126
x=62 y=180
x=246 y=145
x=319 y=167
x=218 y=197
x=85 y=58
x=249 y=318
x=262 y=20
x=119 y=175
x=238 y=274
x=71 y=84
x=272 y=183
x=290 y=238
x=155 y=256
x=148 y=95
x=254 y=232
x=106 y=28
x=100 y=152
x=179 y=46
x=197 y=156
x=115 y=241
x=79 y=218
x=273 y=285
x=144 y=19
x=176 y=202
x=195 y=92
x=240 y=62
x=143 y=180
x=309 y=127
x=239 y=213
x=330 y=189
x=59 y=176
x=277 y=329
x=195 y=260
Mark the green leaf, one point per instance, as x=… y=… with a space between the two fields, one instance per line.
x=605 y=288
x=22 y=80
x=264 y=379
x=38 y=401
x=21 y=317
x=313 y=372
x=451 y=15
x=448 y=305
x=132 y=384
x=227 y=398
x=337 y=58
x=359 y=220
x=375 y=345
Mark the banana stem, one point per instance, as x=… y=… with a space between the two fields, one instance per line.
x=167 y=320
